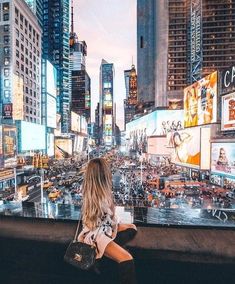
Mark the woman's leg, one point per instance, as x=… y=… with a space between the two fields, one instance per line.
x=126 y=232
x=125 y=262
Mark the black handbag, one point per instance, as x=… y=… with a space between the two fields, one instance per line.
x=79 y=254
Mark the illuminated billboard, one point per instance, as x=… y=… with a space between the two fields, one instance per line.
x=185 y=146
x=200 y=102
x=51 y=111
x=78 y=144
x=18 y=98
x=9 y=135
x=83 y=125
x=32 y=136
x=75 y=122
x=158 y=146
x=138 y=130
x=51 y=79
x=167 y=121
x=1 y=149
x=223 y=159
x=228 y=112
x=63 y=148
x=50 y=145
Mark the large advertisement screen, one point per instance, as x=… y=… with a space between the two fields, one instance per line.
x=51 y=111
x=83 y=125
x=9 y=145
x=138 y=130
x=167 y=121
x=75 y=122
x=50 y=145
x=158 y=146
x=200 y=102
x=78 y=144
x=185 y=146
x=32 y=136
x=18 y=98
x=228 y=112
x=63 y=148
x=1 y=149
x=223 y=159
x=51 y=79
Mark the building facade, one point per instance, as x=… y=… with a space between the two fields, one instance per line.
x=80 y=80
x=56 y=50
x=106 y=112
x=37 y=8
x=131 y=89
x=185 y=40
x=20 y=63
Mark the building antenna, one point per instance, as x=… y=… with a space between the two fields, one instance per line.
x=72 y=23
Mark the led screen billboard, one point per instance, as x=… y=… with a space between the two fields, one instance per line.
x=185 y=146
x=228 y=112
x=167 y=121
x=1 y=148
x=138 y=130
x=200 y=102
x=78 y=144
x=9 y=135
x=18 y=98
x=32 y=136
x=83 y=125
x=63 y=148
x=50 y=145
x=75 y=122
x=51 y=111
x=51 y=79
x=223 y=159
x=158 y=146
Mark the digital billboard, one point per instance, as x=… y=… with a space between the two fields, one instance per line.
x=78 y=144
x=51 y=111
x=223 y=159
x=83 y=125
x=1 y=149
x=138 y=130
x=158 y=146
x=185 y=146
x=205 y=148
x=51 y=79
x=200 y=102
x=9 y=135
x=167 y=121
x=63 y=148
x=75 y=122
x=50 y=145
x=18 y=98
x=32 y=136
x=228 y=112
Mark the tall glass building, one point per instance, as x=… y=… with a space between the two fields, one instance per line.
x=37 y=8
x=56 y=50
x=106 y=112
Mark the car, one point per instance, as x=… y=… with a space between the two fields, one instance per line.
x=54 y=194
x=47 y=184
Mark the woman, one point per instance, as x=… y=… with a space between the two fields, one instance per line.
x=222 y=160
x=100 y=222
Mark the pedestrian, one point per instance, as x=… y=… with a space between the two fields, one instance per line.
x=100 y=222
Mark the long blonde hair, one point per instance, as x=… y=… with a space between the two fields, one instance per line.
x=97 y=192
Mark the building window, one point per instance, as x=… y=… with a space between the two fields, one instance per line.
x=6 y=17
x=6 y=94
x=6 y=83
x=6 y=28
x=141 y=42
x=17 y=43
x=6 y=39
x=17 y=53
x=5 y=6
x=6 y=72
x=6 y=61
x=6 y=50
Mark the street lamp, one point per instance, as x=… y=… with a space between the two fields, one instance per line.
x=141 y=167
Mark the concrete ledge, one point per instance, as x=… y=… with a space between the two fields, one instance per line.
x=197 y=245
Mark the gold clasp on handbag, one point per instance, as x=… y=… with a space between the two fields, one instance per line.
x=77 y=257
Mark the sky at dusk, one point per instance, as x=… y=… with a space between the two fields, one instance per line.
x=109 y=29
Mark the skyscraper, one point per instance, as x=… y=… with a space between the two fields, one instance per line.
x=180 y=41
x=106 y=103
x=20 y=61
x=80 y=83
x=37 y=8
x=131 y=90
x=56 y=50
x=146 y=50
